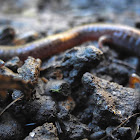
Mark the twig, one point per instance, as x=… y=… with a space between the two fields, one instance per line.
x=121 y=124
x=10 y=104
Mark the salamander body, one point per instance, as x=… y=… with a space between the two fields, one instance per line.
x=126 y=37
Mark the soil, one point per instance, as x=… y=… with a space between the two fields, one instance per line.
x=80 y=94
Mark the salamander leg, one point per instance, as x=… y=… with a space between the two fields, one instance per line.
x=134 y=81
x=104 y=40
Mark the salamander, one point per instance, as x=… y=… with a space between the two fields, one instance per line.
x=128 y=38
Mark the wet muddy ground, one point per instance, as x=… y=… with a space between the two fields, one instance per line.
x=80 y=94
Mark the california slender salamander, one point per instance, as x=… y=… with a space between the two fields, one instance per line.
x=126 y=37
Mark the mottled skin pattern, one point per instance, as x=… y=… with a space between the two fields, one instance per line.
x=124 y=37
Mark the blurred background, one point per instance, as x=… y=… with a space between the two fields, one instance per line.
x=51 y=16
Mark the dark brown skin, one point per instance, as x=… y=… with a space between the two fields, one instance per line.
x=127 y=38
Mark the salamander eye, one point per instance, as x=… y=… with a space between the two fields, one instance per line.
x=7 y=36
x=134 y=81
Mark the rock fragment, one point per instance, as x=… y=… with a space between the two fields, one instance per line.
x=109 y=102
x=10 y=128
x=73 y=129
x=45 y=132
x=30 y=70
